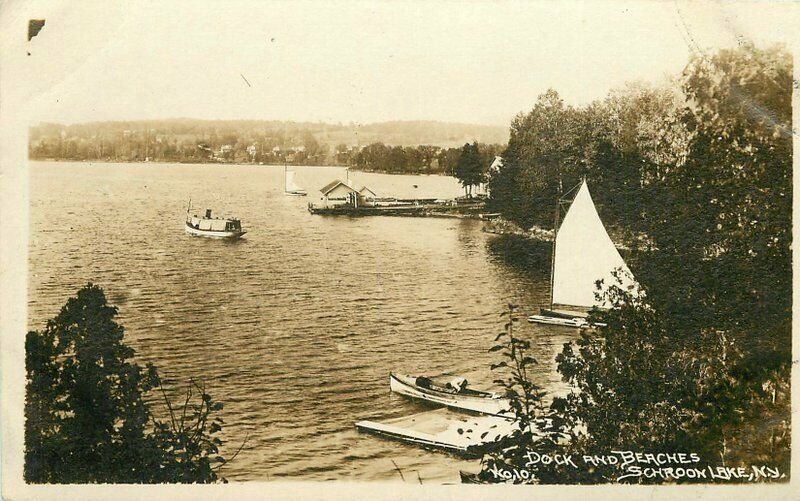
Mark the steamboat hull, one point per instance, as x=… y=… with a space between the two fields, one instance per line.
x=230 y=234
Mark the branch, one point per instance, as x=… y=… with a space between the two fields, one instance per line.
x=226 y=461
x=169 y=407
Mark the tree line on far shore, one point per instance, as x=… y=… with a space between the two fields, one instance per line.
x=262 y=142
x=469 y=163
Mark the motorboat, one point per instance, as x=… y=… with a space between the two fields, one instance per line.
x=215 y=227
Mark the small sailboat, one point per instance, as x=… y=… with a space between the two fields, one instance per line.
x=289 y=186
x=583 y=253
x=215 y=227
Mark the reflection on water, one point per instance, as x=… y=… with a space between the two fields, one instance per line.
x=295 y=327
x=523 y=254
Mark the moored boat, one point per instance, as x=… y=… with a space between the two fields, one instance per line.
x=566 y=322
x=215 y=227
x=453 y=394
x=583 y=254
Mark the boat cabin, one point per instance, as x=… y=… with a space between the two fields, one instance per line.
x=210 y=223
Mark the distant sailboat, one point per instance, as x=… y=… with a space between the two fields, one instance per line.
x=289 y=186
x=583 y=253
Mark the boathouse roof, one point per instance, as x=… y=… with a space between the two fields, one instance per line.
x=332 y=185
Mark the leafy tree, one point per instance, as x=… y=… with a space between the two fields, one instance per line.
x=448 y=160
x=86 y=417
x=342 y=154
x=722 y=230
x=703 y=364
x=396 y=160
x=470 y=169
x=545 y=152
x=427 y=156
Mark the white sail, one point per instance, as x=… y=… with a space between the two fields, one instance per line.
x=584 y=254
x=291 y=186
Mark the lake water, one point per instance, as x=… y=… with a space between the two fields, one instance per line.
x=296 y=327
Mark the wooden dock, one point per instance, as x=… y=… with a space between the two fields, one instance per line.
x=444 y=430
x=408 y=209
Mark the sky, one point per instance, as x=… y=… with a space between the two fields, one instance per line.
x=478 y=62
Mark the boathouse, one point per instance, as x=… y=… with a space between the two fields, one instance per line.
x=337 y=193
x=366 y=197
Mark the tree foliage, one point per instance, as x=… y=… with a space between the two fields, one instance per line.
x=701 y=362
x=87 y=420
x=470 y=169
x=260 y=141
x=536 y=427
x=423 y=159
x=539 y=154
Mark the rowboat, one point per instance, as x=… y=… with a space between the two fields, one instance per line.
x=453 y=394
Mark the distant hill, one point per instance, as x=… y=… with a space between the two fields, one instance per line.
x=286 y=134
x=401 y=133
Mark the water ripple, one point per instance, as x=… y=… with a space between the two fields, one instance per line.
x=294 y=328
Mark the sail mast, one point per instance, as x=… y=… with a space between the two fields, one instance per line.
x=553 y=256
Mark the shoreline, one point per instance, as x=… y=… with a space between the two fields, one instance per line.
x=178 y=162
x=501 y=226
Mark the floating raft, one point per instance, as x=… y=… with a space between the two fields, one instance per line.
x=444 y=430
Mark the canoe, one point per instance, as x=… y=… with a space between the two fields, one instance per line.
x=460 y=397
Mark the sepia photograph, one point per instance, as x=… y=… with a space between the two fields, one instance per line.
x=366 y=249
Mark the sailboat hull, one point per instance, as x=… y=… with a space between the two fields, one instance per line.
x=578 y=322
x=565 y=322
x=570 y=314
x=295 y=193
